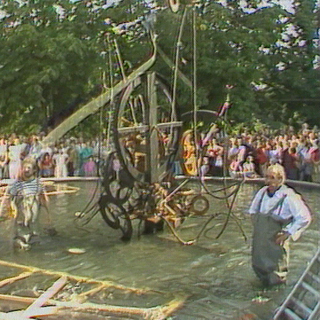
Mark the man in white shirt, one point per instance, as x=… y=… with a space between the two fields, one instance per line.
x=278 y=213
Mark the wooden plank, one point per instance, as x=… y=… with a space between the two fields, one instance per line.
x=159 y=312
x=173 y=306
x=12 y=298
x=107 y=284
x=170 y=63
x=94 y=105
x=13 y=316
x=19 y=315
x=16 y=278
x=92 y=291
x=32 y=310
x=41 y=312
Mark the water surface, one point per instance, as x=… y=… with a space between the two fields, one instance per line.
x=215 y=274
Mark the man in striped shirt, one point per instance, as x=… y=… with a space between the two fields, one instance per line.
x=27 y=194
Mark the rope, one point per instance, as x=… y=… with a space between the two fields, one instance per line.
x=229 y=211
x=111 y=92
x=195 y=239
x=87 y=211
x=194 y=93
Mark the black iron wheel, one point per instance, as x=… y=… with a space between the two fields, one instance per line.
x=116 y=217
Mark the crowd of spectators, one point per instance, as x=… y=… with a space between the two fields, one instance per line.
x=249 y=154
x=69 y=157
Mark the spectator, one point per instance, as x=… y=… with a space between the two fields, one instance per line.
x=261 y=158
x=46 y=166
x=60 y=160
x=292 y=164
x=84 y=154
x=306 y=162
x=249 y=167
x=35 y=148
x=89 y=168
x=15 y=156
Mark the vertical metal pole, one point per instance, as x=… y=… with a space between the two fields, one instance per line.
x=152 y=155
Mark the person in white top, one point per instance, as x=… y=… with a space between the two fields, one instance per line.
x=3 y=156
x=278 y=214
x=249 y=170
x=15 y=154
x=60 y=160
x=35 y=148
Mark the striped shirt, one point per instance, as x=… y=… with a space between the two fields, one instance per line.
x=26 y=188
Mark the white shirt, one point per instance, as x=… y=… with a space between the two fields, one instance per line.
x=15 y=152
x=60 y=158
x=3 y=149
x=293 y=207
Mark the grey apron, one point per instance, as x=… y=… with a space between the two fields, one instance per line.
x=269 y=260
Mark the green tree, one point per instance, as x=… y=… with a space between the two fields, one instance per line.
x=231 y=45
x=49 y=57
x=54 y=53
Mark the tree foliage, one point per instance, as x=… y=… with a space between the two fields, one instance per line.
x=50 y=55
x=55 y=55
x=258 y=51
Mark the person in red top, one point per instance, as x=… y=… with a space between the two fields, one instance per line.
x=46 y=165
x=261 y=158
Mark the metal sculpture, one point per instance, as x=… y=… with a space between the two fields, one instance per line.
x=136 y=179
x=146 y=134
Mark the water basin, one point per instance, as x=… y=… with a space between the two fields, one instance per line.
x=215 y=274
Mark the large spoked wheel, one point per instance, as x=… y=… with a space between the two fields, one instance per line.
x=146 y=129
x=116 y=217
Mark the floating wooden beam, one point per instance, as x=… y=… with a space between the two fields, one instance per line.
x=173 y=306
x=33 y=309
x=46 y=306
x=12 y=316
x=106 y=283
x=19 y=315
x=92 y=291
x=154 y=313
x=16 y=278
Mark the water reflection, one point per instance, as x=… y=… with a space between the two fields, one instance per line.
x=214 y=273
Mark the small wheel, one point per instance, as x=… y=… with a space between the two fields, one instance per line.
x=109 y=212
x=116 y=182
x=199 y=205
x=116 y=217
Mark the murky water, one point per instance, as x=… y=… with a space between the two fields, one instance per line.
x=215 y=274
